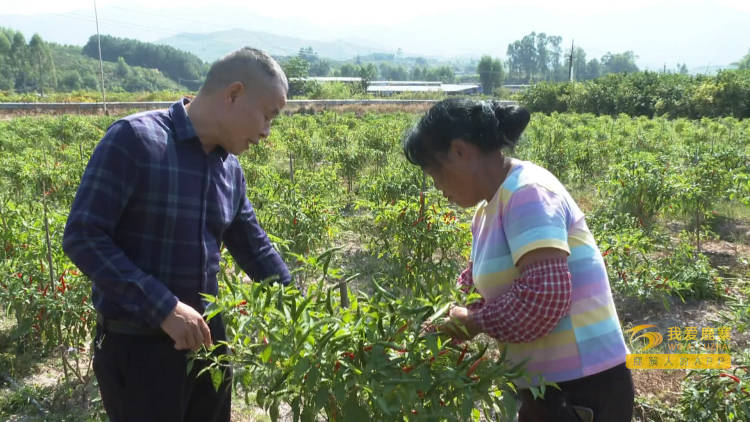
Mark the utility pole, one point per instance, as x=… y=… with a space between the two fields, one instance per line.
x=101 y=66
x=570 y=65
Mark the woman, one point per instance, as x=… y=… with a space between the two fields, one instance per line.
x=544 y=286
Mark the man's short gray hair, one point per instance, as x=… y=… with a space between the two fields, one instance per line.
x=244 y=65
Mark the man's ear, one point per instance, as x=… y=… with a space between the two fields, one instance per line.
x=233 y=91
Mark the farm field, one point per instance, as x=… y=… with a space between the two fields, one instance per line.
x=376 y=250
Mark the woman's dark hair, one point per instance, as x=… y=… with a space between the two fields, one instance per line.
x=490 y=125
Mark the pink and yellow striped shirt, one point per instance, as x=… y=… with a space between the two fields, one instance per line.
x=533 y=210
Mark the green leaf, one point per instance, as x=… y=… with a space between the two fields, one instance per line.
x=440 y=312
x=354 y=411
x=273 y=411
x=217 y=376
x=266 y=354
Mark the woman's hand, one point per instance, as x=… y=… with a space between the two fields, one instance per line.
x=459 y=325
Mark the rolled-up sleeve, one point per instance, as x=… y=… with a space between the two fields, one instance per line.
x=106 y=187
x=252 y=250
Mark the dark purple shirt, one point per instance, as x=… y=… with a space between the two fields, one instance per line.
x=151 y=213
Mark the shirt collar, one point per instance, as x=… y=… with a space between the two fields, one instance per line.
x=184 y=129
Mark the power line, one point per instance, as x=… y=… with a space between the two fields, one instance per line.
x=101 y=65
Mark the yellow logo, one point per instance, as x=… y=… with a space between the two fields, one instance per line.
x=652 y=339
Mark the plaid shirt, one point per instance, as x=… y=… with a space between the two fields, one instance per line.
x=151 y=213
x=530 y=309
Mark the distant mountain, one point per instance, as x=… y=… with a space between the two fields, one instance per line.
x=211 y=46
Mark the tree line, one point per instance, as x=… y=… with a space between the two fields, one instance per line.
x=536 y=57
x=647 y=94
x=182 y=67
x=43 y=67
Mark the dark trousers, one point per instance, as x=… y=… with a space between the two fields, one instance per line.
x=609 y=394
x=143 y=378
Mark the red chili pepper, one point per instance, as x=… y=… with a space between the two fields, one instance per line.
x=62 y=287
x=367 y=348
x=420 y=394
x=19 y=275
x=337 y=366
x=414 y=411
x=725 y=375
x=242 y=303
x=607 y=252
x=461 y=356
x=265 y=340
x=406 y=368
x=474 y=366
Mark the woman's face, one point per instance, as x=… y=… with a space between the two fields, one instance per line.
x=454 y=173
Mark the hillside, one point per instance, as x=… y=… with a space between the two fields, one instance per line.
x=211 y=46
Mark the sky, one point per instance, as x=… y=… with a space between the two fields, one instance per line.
x=660 y=32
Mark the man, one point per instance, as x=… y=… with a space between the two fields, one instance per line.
x=161 y=192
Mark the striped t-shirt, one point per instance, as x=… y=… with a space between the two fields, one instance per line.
x=532 y=210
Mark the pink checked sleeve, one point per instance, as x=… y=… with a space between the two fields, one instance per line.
x=531 y=308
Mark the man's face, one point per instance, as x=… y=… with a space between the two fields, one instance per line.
x=250 y=115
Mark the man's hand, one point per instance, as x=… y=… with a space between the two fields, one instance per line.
x=458 y=325
x=187 y=328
